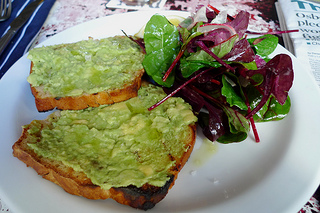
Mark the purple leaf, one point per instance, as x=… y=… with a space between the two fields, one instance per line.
x=241 y=52
x=281 y=66
x=278 y=79
x=189 y=95
x=215 y=127
x=240 y=23
x=178 y=89
x=217 y=36
x=259 y=61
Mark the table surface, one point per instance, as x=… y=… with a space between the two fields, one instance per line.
x=67 y=13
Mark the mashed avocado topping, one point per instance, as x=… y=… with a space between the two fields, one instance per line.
x=88 y=66
x=121 y=144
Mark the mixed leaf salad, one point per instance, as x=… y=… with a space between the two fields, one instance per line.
x=227 y=78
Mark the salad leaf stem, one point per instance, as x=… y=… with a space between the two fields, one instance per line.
x=176 y=60
x=215 y=81
x=230 y=18
x=253 y=125
x=272 y=32
x=202 y=45
x=178 y=89
x=266 y=94
x=137 y=41
x=205 y=94
x=254 y=129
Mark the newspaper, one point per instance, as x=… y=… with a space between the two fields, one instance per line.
x=304 y=16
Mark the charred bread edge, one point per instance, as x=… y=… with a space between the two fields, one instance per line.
x=143 y=198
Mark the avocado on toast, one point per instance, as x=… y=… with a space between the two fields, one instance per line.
x=86 y=73
x=121 y=151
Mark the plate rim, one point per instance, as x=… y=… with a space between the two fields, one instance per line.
x=317 y=176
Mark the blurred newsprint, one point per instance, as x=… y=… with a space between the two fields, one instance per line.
x=302 y=15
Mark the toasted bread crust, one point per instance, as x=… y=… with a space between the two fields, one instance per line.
x=77 y=183
x=46 y=103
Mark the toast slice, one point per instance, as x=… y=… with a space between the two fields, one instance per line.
x=169 y=141
x=87 y=73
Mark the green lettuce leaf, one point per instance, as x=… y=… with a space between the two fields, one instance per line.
x=162 y=45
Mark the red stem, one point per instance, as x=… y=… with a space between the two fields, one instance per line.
x=272 y=33
x=207 y=50
x=266 y=94
x=204 y=94
x=230 y=18
x=254 y=129
x=253 y=125
x=215 y=81
x=178 y=89
x=166 y=75
x=214 y=9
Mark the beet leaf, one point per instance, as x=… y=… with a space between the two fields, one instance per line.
x=278 y=78
x=241 y=52
x=240 y=23
x=238 y=127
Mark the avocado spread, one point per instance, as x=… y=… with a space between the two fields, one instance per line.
x=87 y=66
x=121 y=144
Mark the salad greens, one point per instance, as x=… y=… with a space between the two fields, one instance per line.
x=229 y=80
x=162 y=44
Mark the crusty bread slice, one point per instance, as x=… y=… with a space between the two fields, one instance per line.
x=45 y=101
x=77 y=182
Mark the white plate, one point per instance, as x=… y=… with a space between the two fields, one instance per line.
x=279 y=174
